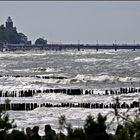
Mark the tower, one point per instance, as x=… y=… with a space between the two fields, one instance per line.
x=9 y=23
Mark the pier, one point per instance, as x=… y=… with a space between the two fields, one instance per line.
x=59 y=47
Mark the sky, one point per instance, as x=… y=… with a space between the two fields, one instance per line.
x=82 y=22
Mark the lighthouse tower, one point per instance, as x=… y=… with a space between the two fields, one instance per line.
x=9 y=23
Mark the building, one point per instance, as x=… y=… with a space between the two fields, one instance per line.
x=9 y=23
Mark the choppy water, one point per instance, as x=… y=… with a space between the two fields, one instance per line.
x=86 y=69
x=105 y=69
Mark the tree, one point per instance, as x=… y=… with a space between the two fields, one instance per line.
x=11 y=36
x=5 y=123
x=41 y=41
x=95 y=129
x=23 y=38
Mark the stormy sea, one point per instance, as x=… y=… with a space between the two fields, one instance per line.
x=93 y=70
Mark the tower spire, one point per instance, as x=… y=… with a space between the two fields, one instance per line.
x=9 y=23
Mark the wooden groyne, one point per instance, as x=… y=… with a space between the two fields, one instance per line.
x=32 y=106
x=71 y=92
x=32 y=92
x=36 y=76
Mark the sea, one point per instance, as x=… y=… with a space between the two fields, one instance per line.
x=85 y=69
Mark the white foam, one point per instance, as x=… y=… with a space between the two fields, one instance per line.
x=91 y=60
x=21 y=54
x=21 y=70
x=137 y=58
x=42 y=69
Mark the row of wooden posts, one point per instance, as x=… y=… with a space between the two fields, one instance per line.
x=37 y=76
x=30 y=93
x=31 y=106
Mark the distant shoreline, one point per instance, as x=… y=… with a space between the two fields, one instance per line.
x=59 y=47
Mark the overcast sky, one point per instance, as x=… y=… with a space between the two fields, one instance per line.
x=73 y=21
